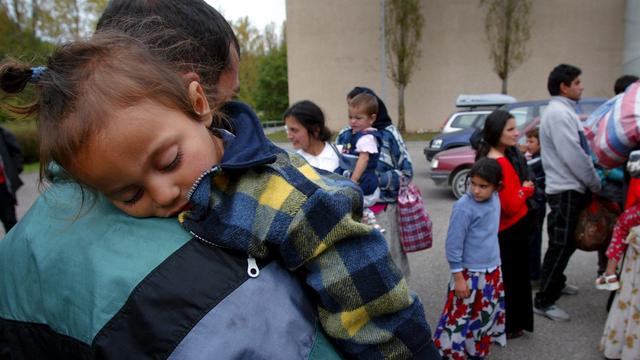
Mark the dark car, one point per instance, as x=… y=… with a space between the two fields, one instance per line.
x=523 y=111
x=450 y=167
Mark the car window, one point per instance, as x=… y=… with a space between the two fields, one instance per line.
x=464 y=120
x=480 y=119
x=523 y=115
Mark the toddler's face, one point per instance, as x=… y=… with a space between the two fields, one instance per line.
x=481 y=190
x=147 y=158
x=533 y=145
x=359 y=119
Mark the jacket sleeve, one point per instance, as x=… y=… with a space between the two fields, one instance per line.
x=454 y=244
x=365 y=304
x=311 y=223
x=570 y=152
x=513 y=195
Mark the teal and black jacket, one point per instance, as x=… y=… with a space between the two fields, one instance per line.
x=105 y=285
x=109 y=286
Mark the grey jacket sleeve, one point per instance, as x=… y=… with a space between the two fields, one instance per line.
x=569 y=151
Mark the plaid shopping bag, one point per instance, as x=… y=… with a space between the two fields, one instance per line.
x=414 y=222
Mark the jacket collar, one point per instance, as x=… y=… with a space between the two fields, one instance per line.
x=248 y=146
x=565 y=100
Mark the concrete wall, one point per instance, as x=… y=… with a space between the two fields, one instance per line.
x=334 y=45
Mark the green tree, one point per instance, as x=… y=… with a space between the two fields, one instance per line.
x=403 y=23
x=272 y=92
x=251 y=49
x=54 y=20
x=507 y=26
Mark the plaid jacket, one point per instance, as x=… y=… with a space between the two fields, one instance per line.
x=266 y=202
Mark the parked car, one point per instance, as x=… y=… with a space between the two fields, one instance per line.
x=450 y=167
x=524 y=112
x=472 y=110
x=472 y=107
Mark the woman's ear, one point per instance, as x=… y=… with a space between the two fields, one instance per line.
x=200 y=102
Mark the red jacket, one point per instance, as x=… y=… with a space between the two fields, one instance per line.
x=513 y=195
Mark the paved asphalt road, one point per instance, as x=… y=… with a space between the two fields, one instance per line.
x=576 y=339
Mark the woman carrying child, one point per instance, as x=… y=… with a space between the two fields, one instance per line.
x=394 y=166
x=474 y=317
x=499 y=140
x=361 y=151
x=146 y=138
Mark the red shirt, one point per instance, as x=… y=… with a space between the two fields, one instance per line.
x=513 y=195
x=633 y=193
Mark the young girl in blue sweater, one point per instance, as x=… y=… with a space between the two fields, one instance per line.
x=474 y=315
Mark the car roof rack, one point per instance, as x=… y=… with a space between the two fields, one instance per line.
x=483 y=100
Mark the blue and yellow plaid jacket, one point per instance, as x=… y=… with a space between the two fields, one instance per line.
x=267 y=202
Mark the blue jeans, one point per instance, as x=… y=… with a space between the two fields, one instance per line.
x=561 y=224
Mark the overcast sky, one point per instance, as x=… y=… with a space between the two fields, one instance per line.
x=260 y=12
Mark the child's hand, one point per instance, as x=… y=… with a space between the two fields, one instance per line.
x=528 y=183
x=461 y=288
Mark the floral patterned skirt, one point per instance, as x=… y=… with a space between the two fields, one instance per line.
x=621 y=338
x=469 y=326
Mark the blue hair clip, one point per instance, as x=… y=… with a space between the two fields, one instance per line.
x=36 y=73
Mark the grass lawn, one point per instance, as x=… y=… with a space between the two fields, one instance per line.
x=31 y=167
x=281 y=136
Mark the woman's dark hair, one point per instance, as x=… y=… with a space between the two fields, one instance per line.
x=192 y=19
x=492 y=132
x=487 y=169
x=311 y=117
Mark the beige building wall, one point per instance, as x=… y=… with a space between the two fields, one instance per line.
x=334 y=45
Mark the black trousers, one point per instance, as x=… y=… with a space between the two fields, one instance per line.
x=7 y=208
x=561 y=225
x=514 y=254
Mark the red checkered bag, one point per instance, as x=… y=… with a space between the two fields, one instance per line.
x=414 y=222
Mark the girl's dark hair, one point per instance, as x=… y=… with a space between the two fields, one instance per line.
x=84 y=81
x=492 y=132
x=311 y=117
x=487 y=169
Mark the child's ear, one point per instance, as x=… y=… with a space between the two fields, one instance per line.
x=374 y=116
x=200 y=102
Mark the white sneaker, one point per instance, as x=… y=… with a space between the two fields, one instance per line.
x=553 y=312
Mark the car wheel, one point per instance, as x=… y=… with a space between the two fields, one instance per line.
x=460 y=183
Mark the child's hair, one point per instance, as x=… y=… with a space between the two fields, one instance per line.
x=487 y=169
x=310 y=117
x=492 y=132
x=534 y=133
x=83 y=81
x=367 y=102
x=623 y=82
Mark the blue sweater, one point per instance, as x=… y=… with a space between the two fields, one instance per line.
x=472 y=238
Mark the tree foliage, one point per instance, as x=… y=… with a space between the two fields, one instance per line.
x=403 y=23
x=263 y=69
x=507 y=27
x=54 y=20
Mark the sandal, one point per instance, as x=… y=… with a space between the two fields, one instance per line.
x=607 y=282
